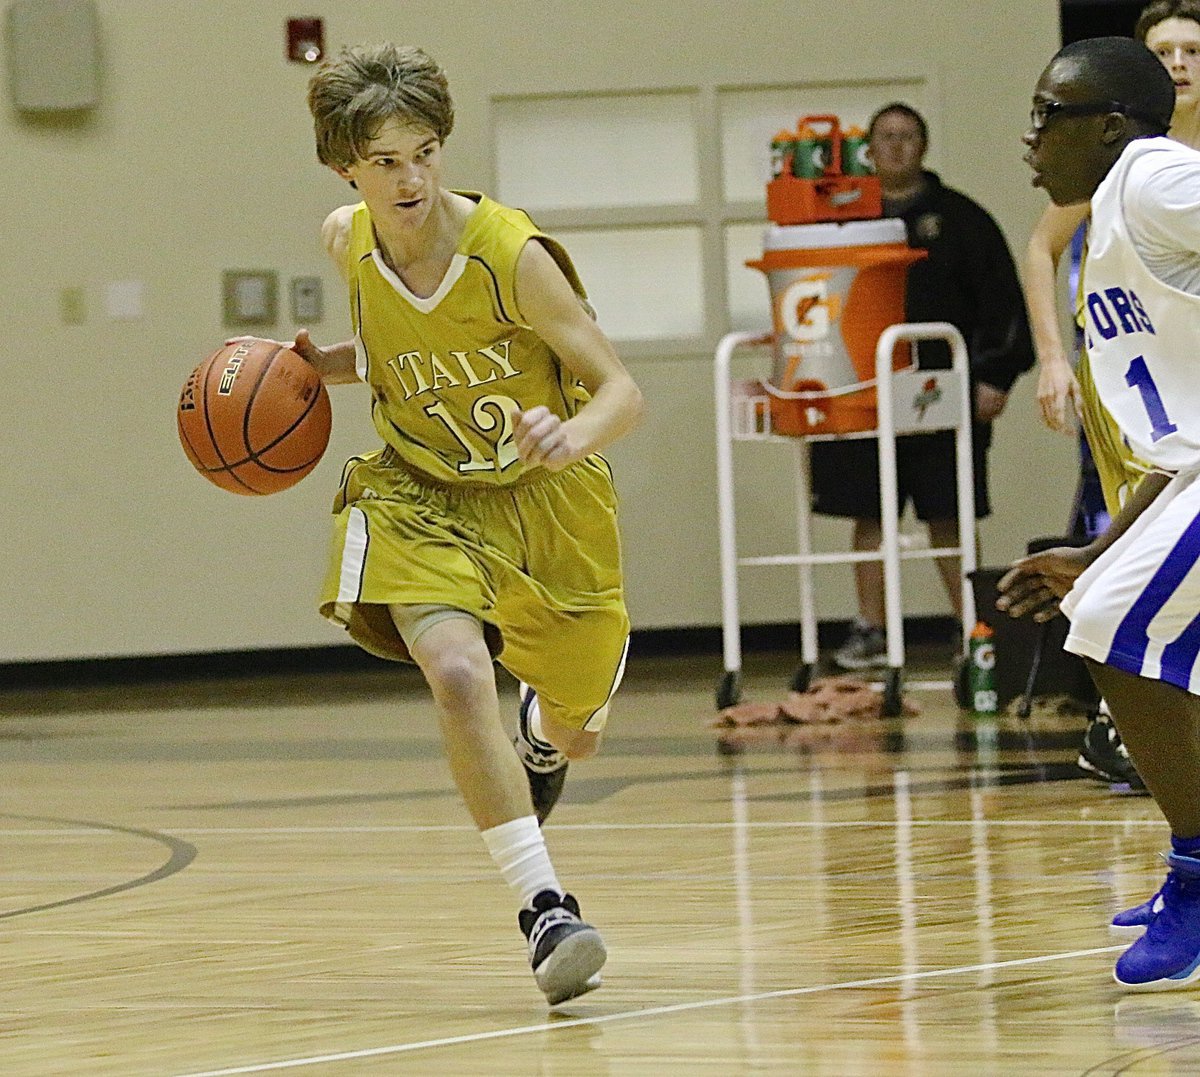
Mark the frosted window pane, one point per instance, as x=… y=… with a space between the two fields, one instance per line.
x=749 y=119
x=645 y=283
x=749 y=298
x=611 y=150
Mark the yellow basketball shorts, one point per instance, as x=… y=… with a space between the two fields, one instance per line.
x=1118 y=469
x=538 y=563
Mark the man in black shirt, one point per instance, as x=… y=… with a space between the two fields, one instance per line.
x=969 y=280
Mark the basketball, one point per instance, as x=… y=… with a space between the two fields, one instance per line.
x=254 y=417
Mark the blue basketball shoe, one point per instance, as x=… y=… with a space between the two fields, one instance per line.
x=1167 y=956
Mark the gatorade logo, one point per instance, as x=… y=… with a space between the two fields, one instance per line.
x=930 y=394
x=807 y=311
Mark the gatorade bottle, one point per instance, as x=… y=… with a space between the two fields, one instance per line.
x=783 y=145
x=855 y=161
x=982 y=671
x=808 y=159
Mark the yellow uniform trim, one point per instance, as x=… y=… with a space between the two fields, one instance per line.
x=1118 y=469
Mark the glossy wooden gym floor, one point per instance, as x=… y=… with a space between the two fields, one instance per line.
x=250 y=876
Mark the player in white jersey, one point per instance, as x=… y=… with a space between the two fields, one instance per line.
x=1171 y=30
x=1133 y=595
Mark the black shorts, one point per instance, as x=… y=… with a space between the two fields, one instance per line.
x=845 y=476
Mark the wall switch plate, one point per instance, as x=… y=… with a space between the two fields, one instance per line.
x=308 y=300
x=250 y=296
x=72 y=305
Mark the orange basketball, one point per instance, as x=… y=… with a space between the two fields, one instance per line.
x=254 y=418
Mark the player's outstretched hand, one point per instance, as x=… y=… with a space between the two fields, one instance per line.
x=543 y=438
x=1038 y=583
x=304 y=347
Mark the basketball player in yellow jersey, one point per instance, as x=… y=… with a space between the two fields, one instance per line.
x=486 y=525
x=1061 y=390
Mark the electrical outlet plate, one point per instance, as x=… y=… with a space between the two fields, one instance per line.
x=307 y=300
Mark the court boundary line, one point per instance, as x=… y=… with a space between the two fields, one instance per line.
x=650 y=1011
x=467 y=828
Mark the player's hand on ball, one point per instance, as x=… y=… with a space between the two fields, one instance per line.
x=303 y=346
x=543 y=438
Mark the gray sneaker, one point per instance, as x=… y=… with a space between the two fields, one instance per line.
x=865 y=648
x=565 y=951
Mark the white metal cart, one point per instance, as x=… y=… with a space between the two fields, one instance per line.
x=912 y=400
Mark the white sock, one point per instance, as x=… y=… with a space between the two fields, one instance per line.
x=519 y=851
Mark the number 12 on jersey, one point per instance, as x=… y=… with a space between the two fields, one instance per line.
x=488 y=414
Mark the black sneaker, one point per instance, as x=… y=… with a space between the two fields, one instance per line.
x=1104 y=758
x=865 y=648
x=545 y=766
x=565 y=952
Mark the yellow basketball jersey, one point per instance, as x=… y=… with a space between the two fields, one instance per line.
x=447 y=371
x=1117 y=467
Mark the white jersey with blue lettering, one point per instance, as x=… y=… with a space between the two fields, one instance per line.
x=1142 y=313
x=1135 y=607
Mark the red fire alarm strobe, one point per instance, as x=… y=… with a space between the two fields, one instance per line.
x=305 y=40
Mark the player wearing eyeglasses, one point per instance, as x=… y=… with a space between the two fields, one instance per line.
x=1171 y=30
x=1133 y=595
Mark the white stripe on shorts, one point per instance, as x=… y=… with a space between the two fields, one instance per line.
x=600 y=717
x=354 y=557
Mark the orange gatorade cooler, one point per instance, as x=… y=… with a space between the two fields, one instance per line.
x=834 y=288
